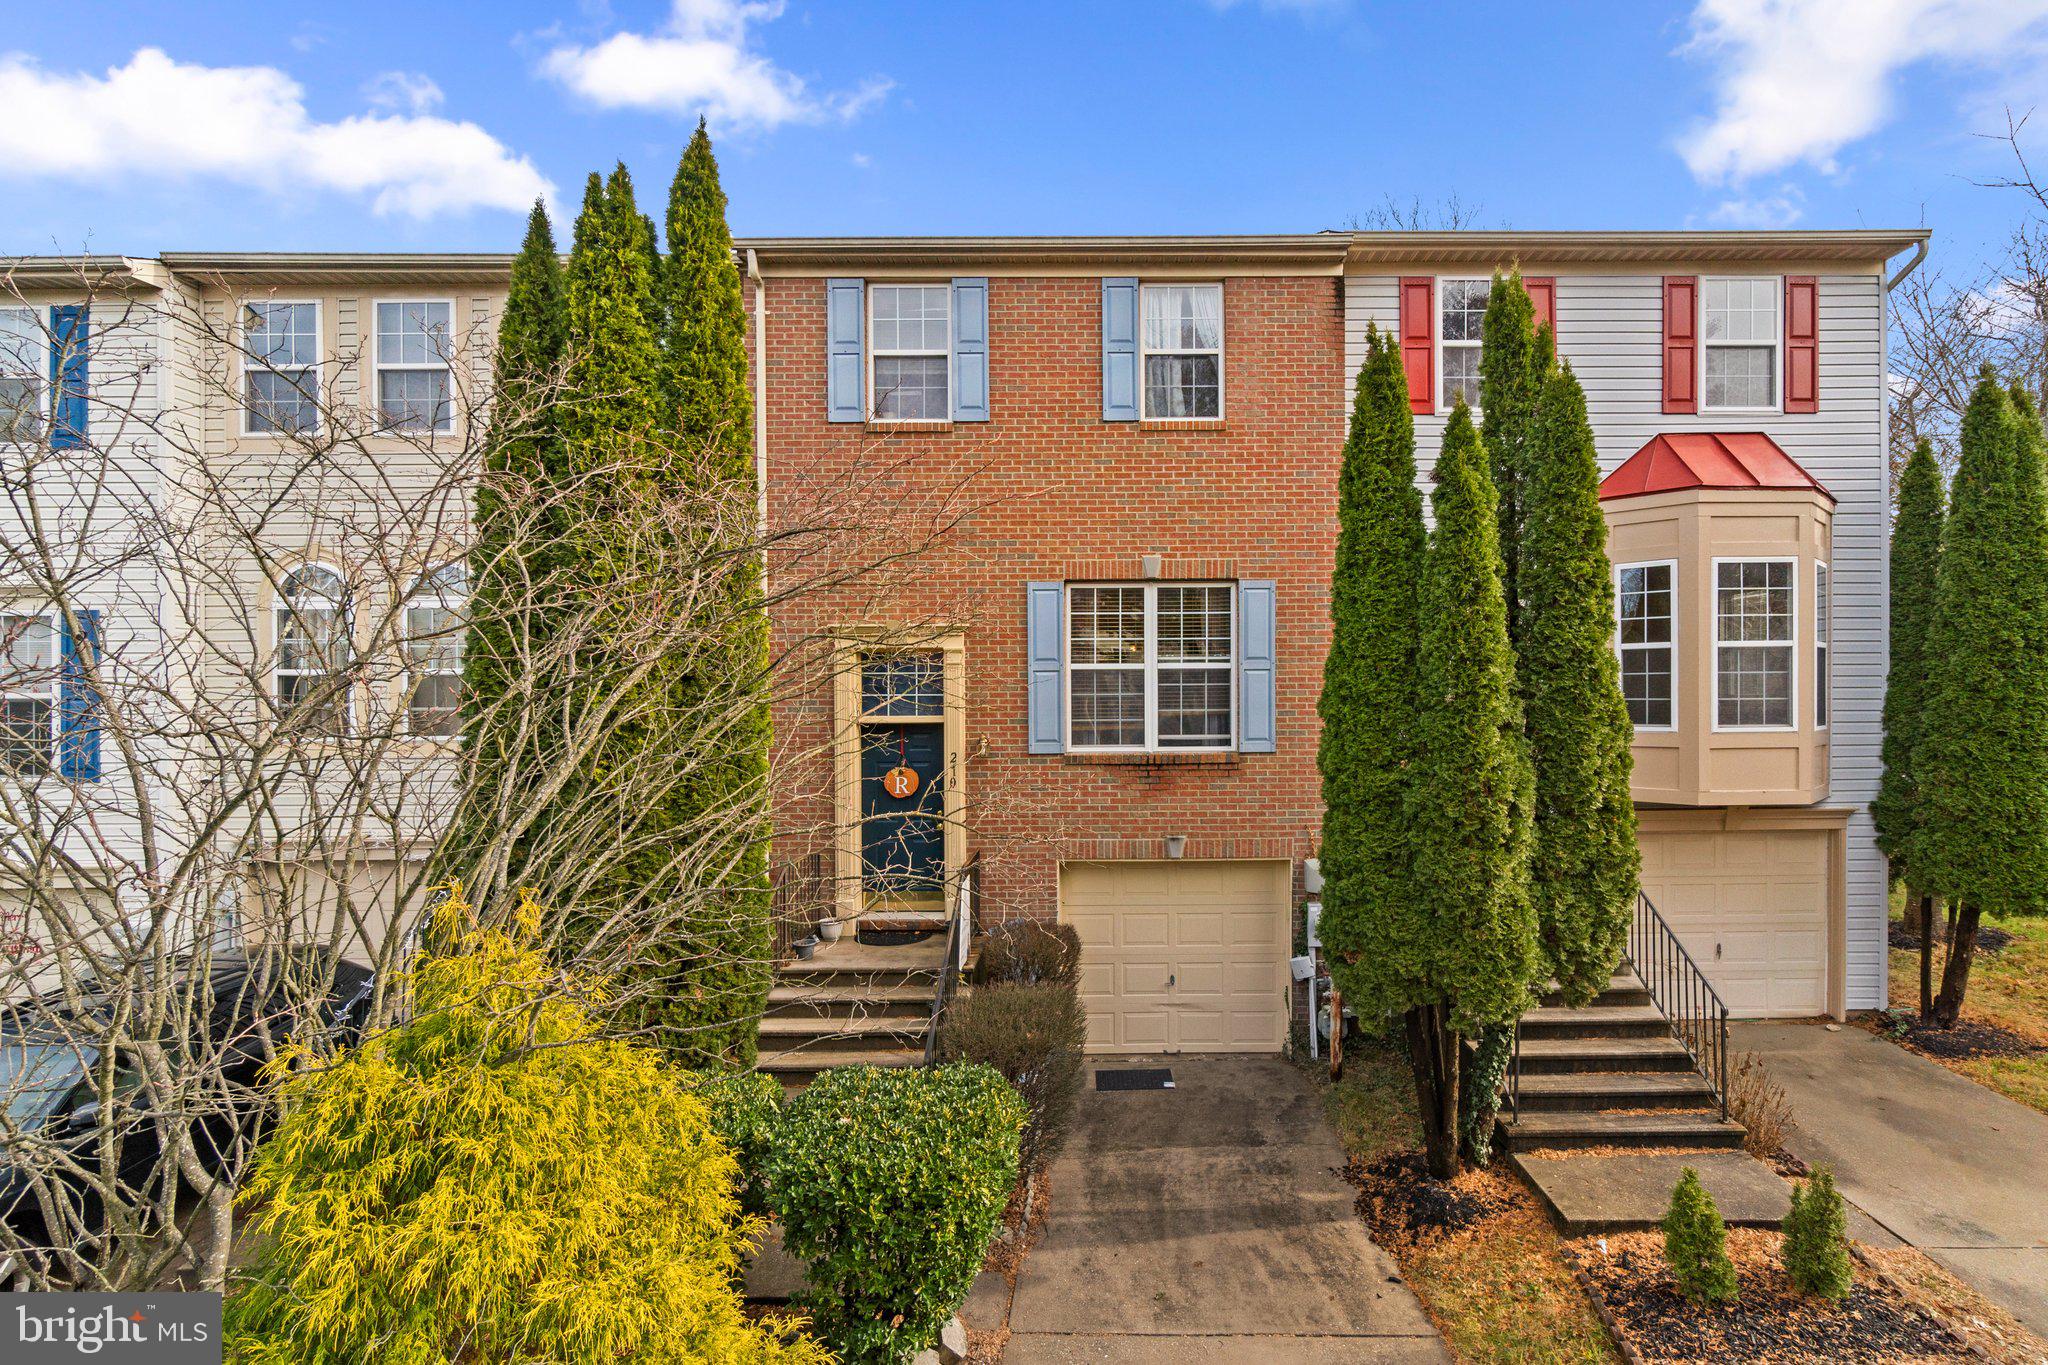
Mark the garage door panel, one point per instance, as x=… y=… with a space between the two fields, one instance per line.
x=1196 y=953
x=1751 y=907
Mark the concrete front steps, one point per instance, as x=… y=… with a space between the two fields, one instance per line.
x=1610 y=1075
x=851 y=1004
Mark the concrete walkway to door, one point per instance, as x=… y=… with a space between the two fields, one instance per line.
x=1207 y=1224
x=1933 y=1159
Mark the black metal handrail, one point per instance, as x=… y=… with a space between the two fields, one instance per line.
x=1697 y=1014
x=959 y=936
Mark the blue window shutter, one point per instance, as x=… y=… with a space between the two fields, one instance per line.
x=1255 y=701
x=845 y=360
x=1043 y=647
x=1119 y=350
x=78 y=704
x=970 y=350
x=68 y=376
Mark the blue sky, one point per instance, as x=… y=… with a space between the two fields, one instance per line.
x=144 y=127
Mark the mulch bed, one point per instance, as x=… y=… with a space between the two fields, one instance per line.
x=1964 y=1039
x=1771 y=1321
x=1991 y=940
x=1402 y=1205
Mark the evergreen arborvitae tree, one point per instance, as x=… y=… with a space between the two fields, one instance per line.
x=1376 y=934
x=1915 y=557
x=1512 y=366
x=1981 y=834
x=1696 y=1243
x=1472 y=791
x=1586 y=862
x=515 y=555
x=1816 y=1245
x=704 y=374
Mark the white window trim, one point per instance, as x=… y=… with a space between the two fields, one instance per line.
x=248 y=367
x=38 y=319
x=1151 y=668
x=1222 y=340
x=377 y=367
x=873 y=354
x=1823 y=643
x=1621 y=649
x=279 y=606
x=417 y=595
x=1792 y=645
x=1777 y=346
x=49 y=617
x=1442 y=408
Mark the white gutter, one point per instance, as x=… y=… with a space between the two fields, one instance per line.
x=1919 y=255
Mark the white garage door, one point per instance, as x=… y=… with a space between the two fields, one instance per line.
x=1752 y=909
x=1181 y=956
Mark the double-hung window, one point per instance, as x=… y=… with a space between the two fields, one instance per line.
x=24 y=357
x=1822 y=625
x=413 y=354
x=1461 y=324
x=314 y=650
x=1754 y=623
x=28 y=691
x=1644 y=612
x=435 y=623
x=281 y=368
x=1153 y=666
x=1180 y=341
x=1741 y=337
x=910 y=339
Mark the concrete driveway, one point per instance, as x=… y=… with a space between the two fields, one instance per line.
x=1208 y=1224
x=1935 y=1160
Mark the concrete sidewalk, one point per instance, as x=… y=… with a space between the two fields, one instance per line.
x=1209 y=1224
x=1933 y=1159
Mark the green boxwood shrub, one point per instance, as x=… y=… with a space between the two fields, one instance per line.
x=891 y=1185
x=746 y=1110
x=1816 y=1249
x=1034 y=1035
x=1696 y=1243
x=1023 y=951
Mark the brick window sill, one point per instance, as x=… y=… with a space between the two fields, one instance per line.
x=890 y=428
x=1183 y=424
x=1215 y=760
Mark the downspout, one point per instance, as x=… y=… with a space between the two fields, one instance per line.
x=1919 y=255
x=760 y=404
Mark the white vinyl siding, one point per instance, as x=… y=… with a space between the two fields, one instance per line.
x=1610 y=327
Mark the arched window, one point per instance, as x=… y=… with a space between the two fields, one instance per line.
x=314 y=650
x=434 y=628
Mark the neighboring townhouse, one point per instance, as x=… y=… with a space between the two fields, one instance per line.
x=1095 y=682
x=1111 y=709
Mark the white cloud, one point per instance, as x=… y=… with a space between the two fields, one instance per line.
x=162 y=119
x=1799 y=80
x=1780 y=210
x=411 y=91
x=702 y=62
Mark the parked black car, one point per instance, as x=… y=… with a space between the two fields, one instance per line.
x=49 y=1082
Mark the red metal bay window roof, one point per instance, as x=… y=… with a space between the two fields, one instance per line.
x=1679 y=460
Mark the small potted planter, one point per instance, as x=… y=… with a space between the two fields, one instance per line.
x=830 y=929
x=805 y=946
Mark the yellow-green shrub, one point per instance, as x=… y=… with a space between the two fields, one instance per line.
x=493 y=1181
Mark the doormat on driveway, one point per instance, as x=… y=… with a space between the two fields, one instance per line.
x=1135 y=1078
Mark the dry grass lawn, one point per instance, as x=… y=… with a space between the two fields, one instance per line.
x=2008 y=989
x=1499 y=1290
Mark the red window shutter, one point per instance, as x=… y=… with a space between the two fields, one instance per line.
x=1418 y=341
x=1681 y=343
x=1802 y=343
x=1543 y=293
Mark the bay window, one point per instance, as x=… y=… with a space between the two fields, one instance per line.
x=1821 y=629
x=1151 y=666
x=1754 y=623
x=1644 y=613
